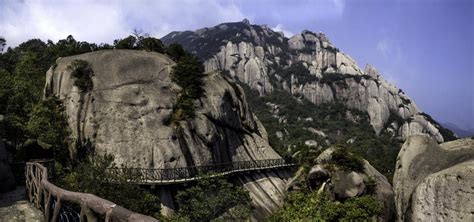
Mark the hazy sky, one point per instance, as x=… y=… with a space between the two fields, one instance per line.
x=425 y=47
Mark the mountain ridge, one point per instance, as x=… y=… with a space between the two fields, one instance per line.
x=265 y=60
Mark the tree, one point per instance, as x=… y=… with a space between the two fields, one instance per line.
x=47 y=126
x=211 y=198
x=126 y=43
x=175 y=51
x=3 y=42
x=151 y=44
x=91 y=176
x=188 y=74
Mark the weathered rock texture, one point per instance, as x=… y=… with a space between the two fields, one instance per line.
x=257 y=55
x=133 y=96
x=435 y=182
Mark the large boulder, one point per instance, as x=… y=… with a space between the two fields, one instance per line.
x=127 y=111
x=435 y=181
x=346 y=184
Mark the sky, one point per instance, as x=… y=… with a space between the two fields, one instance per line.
x=425 y=47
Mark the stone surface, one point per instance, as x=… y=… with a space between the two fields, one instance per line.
x=317 y=175
x=15 y=208
x=435 y=182
x=125 y=114
x=311 y=143
x=348 y=184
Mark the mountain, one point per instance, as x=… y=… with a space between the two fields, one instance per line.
x=458 y=131
x=309 y=67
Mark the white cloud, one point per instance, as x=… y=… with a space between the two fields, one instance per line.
x=104 y=21
x=281 y=28
x=389 y=49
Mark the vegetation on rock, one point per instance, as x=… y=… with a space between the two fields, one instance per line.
x=187 y=73
x=347 y=160
x=296 y=117
x=83 y=73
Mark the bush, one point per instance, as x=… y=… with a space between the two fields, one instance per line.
x=83 y=73
x=347 y=160
x=302 y=206
x=48 y=127
x=212 y=198
x=90 y=176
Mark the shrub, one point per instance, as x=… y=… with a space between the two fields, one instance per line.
x=304 y=206
x=347 y=160
x=83 y=73
x=211 y=198
x=90 y=176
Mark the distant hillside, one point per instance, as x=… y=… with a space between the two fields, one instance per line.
x=462 y=133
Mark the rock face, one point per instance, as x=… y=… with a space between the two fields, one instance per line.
x=132 y=97
x=258 y=56
x=7 y=181
x=435 y=182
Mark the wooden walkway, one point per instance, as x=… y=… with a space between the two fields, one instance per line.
x=146 y=176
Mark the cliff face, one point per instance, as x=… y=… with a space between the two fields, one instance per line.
x=126 y=111
x=262 y=58
x=435 y=182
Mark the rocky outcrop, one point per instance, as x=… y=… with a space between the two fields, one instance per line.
x=257 y=56
x=435 y=182
x=346 y=184
x=127 y=111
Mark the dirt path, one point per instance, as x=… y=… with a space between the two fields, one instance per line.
x=14 y=207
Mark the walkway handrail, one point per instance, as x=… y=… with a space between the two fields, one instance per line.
x=184 y=174
x=49 y=198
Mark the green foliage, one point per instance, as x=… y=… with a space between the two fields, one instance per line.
x=176 y=51
x=347 y=160
x=370 y=186
x=302 y=206
x=83 y=73
x=212 y=198
x=48 y=126
x=381 y=151
x=22 y=78
x=126 y=43
x=300 y=72
x=188 y=74
x=140 y=42
x=90 y=176
x=151 y=44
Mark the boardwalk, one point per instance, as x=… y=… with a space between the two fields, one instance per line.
x=147 y=176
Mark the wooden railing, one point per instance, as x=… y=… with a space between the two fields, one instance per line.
x=57 y=203
x=185 y=174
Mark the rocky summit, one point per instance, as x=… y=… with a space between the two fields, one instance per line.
x=309 y=66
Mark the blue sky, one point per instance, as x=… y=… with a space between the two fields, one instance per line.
x=425 y=47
